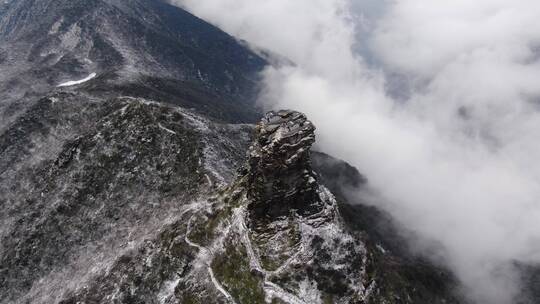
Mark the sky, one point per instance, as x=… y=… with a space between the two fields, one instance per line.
x=436 y=102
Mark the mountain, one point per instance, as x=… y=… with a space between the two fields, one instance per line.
x=149 y=182
x=144 y=47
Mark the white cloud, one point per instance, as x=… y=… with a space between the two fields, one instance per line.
x=457 y=160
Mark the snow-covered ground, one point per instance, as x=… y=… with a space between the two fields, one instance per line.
x=76 y=82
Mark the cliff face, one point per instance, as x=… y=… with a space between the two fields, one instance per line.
x=141 y=186
x=289 y=234
x=280 y=175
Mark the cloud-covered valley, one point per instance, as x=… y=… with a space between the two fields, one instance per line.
x=436 y=102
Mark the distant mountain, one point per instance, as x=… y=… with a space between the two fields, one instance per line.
x=146 y=47
x=143 y=178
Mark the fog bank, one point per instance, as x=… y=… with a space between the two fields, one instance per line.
x=436 y=102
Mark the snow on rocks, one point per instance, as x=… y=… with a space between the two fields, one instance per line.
x=76 y=82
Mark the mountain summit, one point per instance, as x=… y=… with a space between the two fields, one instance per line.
x=280 y=173
x=131 y=171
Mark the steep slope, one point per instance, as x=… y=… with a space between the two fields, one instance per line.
x=289 y=244
x=302 y=251
x=147 y=47
x=95 y=179
x=89 y=171
x=133 y=185
x=137 y=209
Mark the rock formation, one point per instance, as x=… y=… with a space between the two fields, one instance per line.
x=124 y=188
x=280 y=175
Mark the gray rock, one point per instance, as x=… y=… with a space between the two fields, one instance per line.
x=280 y=177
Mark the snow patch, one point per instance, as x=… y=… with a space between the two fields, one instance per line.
x=167 y=290
x=76 y=82
x=165 y=129
x=56 y=26
x=71 y=38
x=381 y=249
x=309 y=291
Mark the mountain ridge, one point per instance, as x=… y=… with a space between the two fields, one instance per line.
x=146 y=46
x=150 y=183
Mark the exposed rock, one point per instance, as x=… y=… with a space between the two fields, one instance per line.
x=113 y=193
x=298 y=247
x=280 y=176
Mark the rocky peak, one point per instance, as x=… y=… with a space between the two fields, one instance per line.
x=280 y=176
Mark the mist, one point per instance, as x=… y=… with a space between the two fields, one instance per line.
x=436 y=102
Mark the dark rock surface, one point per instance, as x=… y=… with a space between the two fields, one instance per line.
x=280 y=175
x=148 y=48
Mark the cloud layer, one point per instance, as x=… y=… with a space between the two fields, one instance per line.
x=437 y=102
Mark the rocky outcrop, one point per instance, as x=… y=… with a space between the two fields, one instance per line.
x=288 y=242
x=139 y=206
x=279 y=173
x=112 y=191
